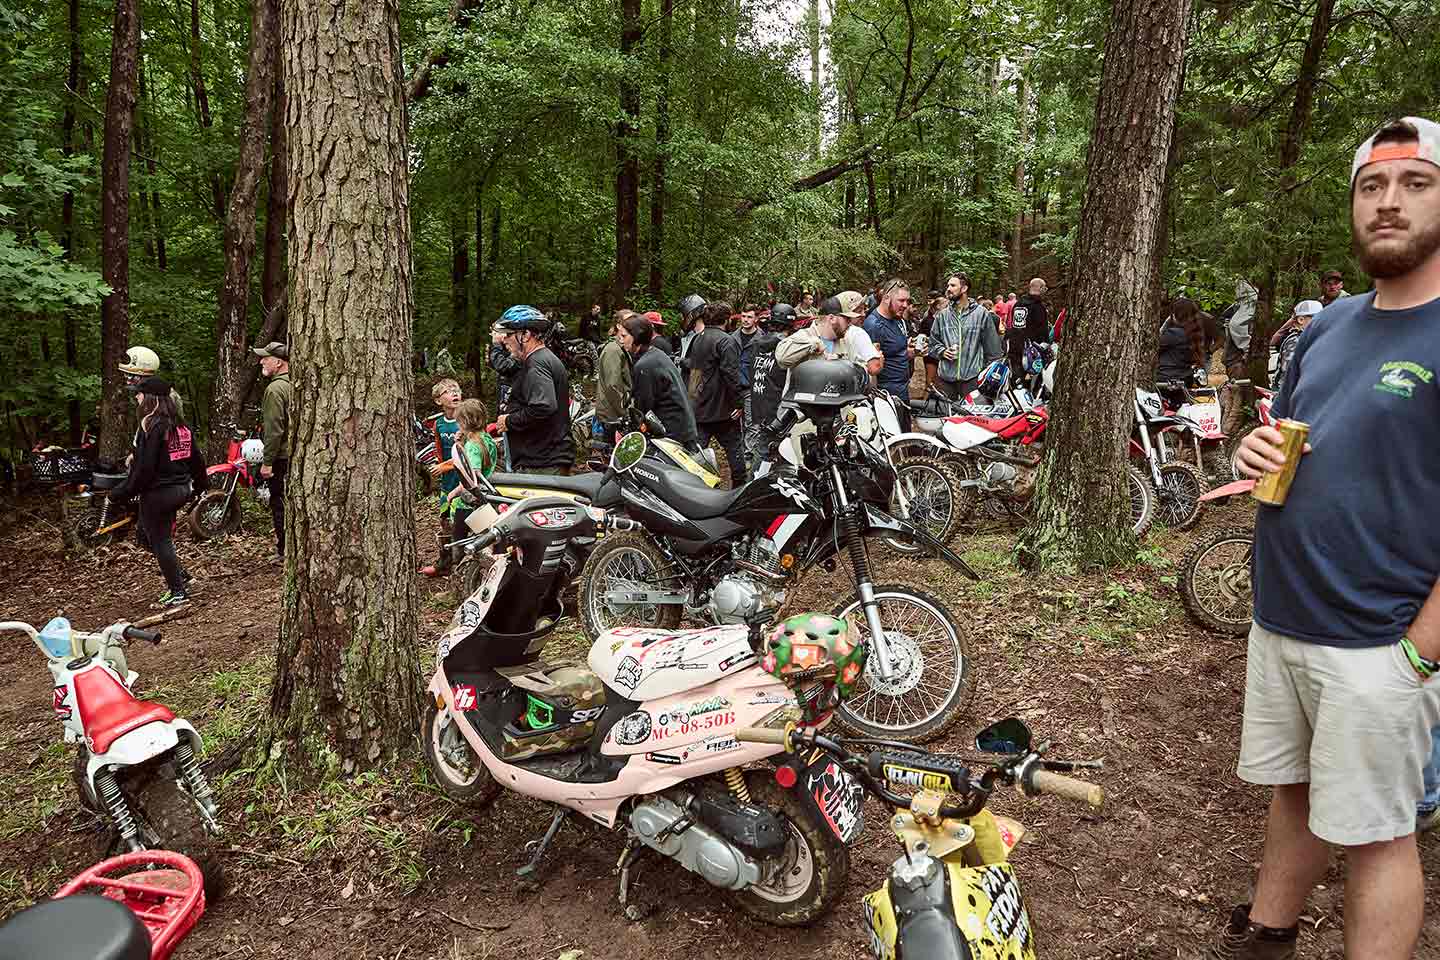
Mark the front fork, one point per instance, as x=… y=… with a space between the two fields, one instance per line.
x=855 y=544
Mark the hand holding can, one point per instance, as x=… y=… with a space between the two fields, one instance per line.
x=1273 y=484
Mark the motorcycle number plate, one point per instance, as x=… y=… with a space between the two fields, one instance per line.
x=838 y=797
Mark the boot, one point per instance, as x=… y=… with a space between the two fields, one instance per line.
x=1243 y=940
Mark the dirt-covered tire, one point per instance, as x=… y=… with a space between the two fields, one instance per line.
x=424 y=483
x=922 y=648
x=169 y=820
x=1142 y=501
x=626 y=557
x=966 y=471
x=81 y=522
x=1215 y=581
x=1233 y=445
x=453 y=764
x=213 y=517
x=815 y=867
x=933 y=490
x=1178 y=505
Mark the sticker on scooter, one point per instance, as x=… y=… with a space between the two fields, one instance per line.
x=840 y=798
x=667 y=758
x=737 y=660
x=62 y=709
x=633 y=729
x=627 y=674
x=722 y=745
x=463 y=696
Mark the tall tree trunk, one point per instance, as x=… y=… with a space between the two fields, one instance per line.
x=662 y=144
x=459 y=279
x=1022 y=116
x=627 y=164
x=1291 y=143
x=67 y=211
x=202 y=104
x=277 y=203
x=233 y=324
x=150 y=199
x=345 y=668
x=1081 y=495
x=815 y=91
x=115 y=227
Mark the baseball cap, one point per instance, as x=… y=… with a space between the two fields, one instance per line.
x=274 y=349
x=1425 y=147
x=153 y=386
x=654 y=317
x=846 y=303
x=1308 y=308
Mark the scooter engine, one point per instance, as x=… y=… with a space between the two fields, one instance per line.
x=663 y=825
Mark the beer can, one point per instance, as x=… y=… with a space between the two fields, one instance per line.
x=1273 y=488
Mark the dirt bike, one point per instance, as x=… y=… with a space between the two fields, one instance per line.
x=1264 y=400
x=1178 y=485
x=579 y=356
x=1199 y=405
x=92 y=518
x=953 y=894
x=1215 y=575
x=640 y=737
x=719 y=556
x=135 y=762
x=217 y=512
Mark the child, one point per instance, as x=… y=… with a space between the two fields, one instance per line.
x=446 y=394
x=480 y=456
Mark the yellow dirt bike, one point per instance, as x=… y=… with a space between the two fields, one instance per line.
x=953 y=895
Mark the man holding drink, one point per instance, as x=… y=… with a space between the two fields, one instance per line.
x=1339 y=699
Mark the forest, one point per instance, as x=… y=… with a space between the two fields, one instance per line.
x=577 y=152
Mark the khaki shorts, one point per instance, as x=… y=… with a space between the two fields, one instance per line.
x=1352 y=723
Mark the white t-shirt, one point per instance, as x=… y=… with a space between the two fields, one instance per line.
x=861 y=344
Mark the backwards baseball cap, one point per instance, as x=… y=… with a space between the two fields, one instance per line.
x=274 y=349
x=847 y=303
x=153 y=386
x=1308 y=308
x=654 y=317
x=1425 y=144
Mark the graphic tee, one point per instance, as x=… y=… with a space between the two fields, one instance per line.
x=1353 y=554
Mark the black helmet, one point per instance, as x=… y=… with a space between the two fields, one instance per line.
x=821 y=387
x=782 y=315
x=690 y=305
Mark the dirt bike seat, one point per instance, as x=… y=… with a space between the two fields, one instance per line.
x=84 y=925
x=108 y=711
x=585 y=485
x=687 y=493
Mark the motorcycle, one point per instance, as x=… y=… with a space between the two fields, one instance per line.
x=135 y=762
x=1199 y=405
x=720 y=556
x=640 y=737
x=1264 y=400
x=579 y=356
x=427 y=454
x=217 y=511
x=953 y=894
x=92 y=518
x=1215 y=575
x=1179 y=486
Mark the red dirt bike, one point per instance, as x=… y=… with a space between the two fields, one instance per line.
x=1215 y=575
x=96 y=916
x=217 y=511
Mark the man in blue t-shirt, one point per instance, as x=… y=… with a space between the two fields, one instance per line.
x=1339 y=696
x=887 y=330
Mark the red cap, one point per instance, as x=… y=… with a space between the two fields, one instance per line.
x=654 y=317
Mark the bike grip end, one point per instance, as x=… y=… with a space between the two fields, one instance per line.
x=135 y=633
x=762 y=735
x=1058 y=785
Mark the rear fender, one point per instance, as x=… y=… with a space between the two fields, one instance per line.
x=142 y=744
x=219 y=468
x=1229 y=490
x=877 y=521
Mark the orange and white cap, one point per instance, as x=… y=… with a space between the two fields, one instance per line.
x=1425 y=146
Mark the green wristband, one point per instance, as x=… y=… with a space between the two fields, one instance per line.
x=1426 y=668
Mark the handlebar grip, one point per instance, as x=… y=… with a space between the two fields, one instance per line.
x=135 y=633
x=761 y=735
x=1059 y=785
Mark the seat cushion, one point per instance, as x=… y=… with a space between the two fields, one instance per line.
x=108 y=711
x=688 y=494
x=95 y=928
x=585 y=485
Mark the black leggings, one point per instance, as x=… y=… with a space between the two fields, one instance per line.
x=158 y=507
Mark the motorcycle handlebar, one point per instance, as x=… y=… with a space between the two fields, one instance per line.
x=762 y=735
x=1059 y=785
x=135 y=633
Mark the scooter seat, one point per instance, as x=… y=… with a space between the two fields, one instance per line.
x=585 y=485
x=108 y=711
x=688 y=494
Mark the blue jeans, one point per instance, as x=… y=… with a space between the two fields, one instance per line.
x=1432 y=775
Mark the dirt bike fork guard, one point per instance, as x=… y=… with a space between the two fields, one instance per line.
x=854 y=543
x=114 y=802
x=542 y=845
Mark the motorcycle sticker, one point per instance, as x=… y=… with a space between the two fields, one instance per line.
x=668 y=758
x=62 y=709
x=737 y=660
x=463 y=696
x=919 y=779
x=677 y=725
x=722 y=745
x=627 y=674
x=1007 y=917
x=839 y=797
x=632 y=729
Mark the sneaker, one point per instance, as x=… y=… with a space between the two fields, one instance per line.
x=1243 y=940
x=171 y=598
x=1427 y=820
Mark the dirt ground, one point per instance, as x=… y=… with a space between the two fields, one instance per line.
x=384 y=867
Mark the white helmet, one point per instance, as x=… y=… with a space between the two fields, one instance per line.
x=253 y=451
x=140 y=362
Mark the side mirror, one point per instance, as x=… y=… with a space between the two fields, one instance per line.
x=628 y=452
x=1008 y=736
x=653 y=425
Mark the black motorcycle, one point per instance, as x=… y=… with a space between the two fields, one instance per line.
x=722 y=556
x=579 y=356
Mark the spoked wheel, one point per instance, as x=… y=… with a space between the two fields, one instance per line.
x=1233 y=446
x=801 y=883
x=1142 y=501
x=620 y=568
x=81 y=523
x=1215 y=582
x=933 y=492
x=217 y=514
x=1179 y=505
x=932 y=678
x=458 y=771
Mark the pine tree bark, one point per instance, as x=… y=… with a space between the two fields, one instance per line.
x=1081 y=501
x=232 y=354
x=115 y=228
x=277 y=204
x=662 y=144
x=346 y=691
x=627 y=164
x=67 y=210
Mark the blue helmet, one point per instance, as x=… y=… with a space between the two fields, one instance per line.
x=992 y=379
x=522 y=317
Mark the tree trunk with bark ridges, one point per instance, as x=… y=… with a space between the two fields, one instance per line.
x=232 y=353
x=662 y=141
x=67 y=212
x=115 y=229
x=346 y=689
x=277 y=204
x=1081 y=506
x=627 y=164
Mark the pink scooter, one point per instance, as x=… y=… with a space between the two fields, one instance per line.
x=641 y=738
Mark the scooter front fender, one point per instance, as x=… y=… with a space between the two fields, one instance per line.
x=877 y=521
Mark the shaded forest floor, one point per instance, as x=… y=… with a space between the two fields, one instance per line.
x=386 y=867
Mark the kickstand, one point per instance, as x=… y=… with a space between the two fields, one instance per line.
x=538 y=848
x=629 y=869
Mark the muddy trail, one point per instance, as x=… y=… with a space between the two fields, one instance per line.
x=383 y=866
